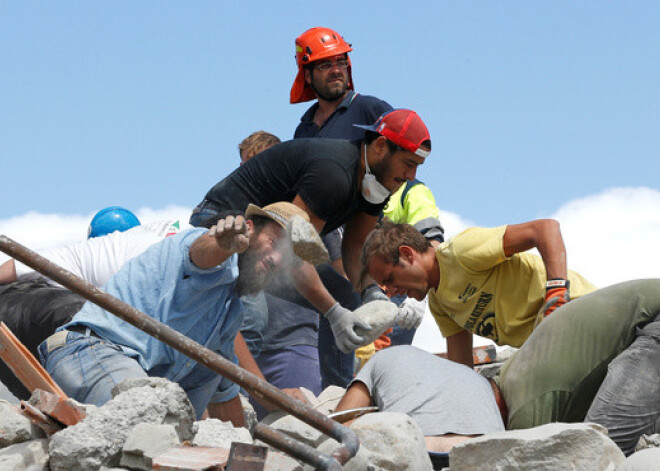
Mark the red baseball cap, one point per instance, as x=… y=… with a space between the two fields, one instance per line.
x=404 y=128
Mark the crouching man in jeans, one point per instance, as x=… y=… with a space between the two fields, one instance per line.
x=192 y=282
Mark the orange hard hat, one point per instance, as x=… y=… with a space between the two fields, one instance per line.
x=313 y=45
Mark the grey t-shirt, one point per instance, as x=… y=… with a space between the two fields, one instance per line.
x=440 y=395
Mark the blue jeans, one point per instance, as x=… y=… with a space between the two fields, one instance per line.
x=87 y=367
x=628 y=401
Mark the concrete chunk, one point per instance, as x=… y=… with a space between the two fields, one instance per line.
x=216 y=433
x=648 y=441
x=14 y=427
x=329 y=398
x=380 y=315
x=645 y=460
x=145 y=442
x=187 y=458
x=32 y=456
x=555 y=447
x=306 y=242
x=67 y=411
x=97 y=440
x=389 y=441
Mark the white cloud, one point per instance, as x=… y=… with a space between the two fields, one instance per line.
x=610 y=237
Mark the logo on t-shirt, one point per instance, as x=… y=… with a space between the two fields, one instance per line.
x=486 y=328
x=469 y=290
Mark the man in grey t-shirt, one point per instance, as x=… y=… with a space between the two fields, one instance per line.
x=429 y=389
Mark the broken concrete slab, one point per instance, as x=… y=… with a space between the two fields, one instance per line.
x=278 y=461
x=298 y=429
x=145 y=442
x=389 y=441
x=97 y=440
x=191 y=458
x=329 y=398
x=14 y=427
x=27 y=456
x=310 y=397
x=556 y=446
x=380 y=315
x=216 y=433
x=645 y=460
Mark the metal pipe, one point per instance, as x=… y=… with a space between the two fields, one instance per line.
x=295 y=448
x=345 y=436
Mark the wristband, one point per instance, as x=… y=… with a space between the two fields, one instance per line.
x=557 y=283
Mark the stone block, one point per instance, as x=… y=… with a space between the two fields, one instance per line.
x=645 y=460
x=14 y=427
x=306 y=242
x=191 y=458
x=145 y=442
x=27 y=456
x=380 y=315
x=216 y=433
x=555 y=447
x=389 y=441
x=97 y=440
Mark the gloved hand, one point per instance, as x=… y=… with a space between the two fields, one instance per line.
x=343 y=323
x=411 y=313
x=372 y=293
x=556 y=295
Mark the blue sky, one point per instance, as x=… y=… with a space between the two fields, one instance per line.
x=530 y=105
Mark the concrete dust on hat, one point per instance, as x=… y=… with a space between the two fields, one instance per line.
x=380 y=315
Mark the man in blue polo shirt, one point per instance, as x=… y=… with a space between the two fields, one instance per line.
x=324 y=73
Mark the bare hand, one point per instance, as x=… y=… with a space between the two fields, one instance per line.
x=295 y=393
x=231 y=234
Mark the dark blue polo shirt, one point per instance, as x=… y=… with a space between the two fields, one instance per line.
x=355 y=108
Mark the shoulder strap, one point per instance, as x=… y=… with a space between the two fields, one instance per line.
x=409 y=185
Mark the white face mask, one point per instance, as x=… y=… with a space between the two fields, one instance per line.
x=372 y=190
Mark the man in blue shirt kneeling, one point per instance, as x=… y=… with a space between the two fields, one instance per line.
x=191 y=282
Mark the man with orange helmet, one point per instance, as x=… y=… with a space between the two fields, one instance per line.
x=324 y=73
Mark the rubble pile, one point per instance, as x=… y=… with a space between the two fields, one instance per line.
x=150 y=424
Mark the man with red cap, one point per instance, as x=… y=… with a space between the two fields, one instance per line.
x=324 y=73
x=337 y=183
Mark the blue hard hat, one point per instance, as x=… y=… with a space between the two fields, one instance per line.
x=111 y=219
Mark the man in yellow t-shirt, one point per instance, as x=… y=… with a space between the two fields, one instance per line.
x=480 y=281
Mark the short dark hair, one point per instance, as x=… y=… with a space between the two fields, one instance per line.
x=386 y=240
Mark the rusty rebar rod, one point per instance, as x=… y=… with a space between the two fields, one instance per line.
x=345 y=436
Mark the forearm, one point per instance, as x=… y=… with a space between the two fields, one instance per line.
x=309 y=284
x=459 y=348
x=231 y=410
x=545 y=236
x=206 y=253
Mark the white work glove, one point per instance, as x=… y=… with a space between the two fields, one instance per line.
x=373 y=292
x=411 y=313
x=343 y=322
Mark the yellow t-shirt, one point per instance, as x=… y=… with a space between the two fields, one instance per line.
x=484 y=292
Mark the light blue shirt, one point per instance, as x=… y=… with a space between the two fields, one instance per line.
x=201 y=304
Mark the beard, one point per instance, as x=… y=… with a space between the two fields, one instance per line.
x=333 y=92
x=250 y=279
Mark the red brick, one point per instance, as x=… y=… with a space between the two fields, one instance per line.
x=61 y=409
